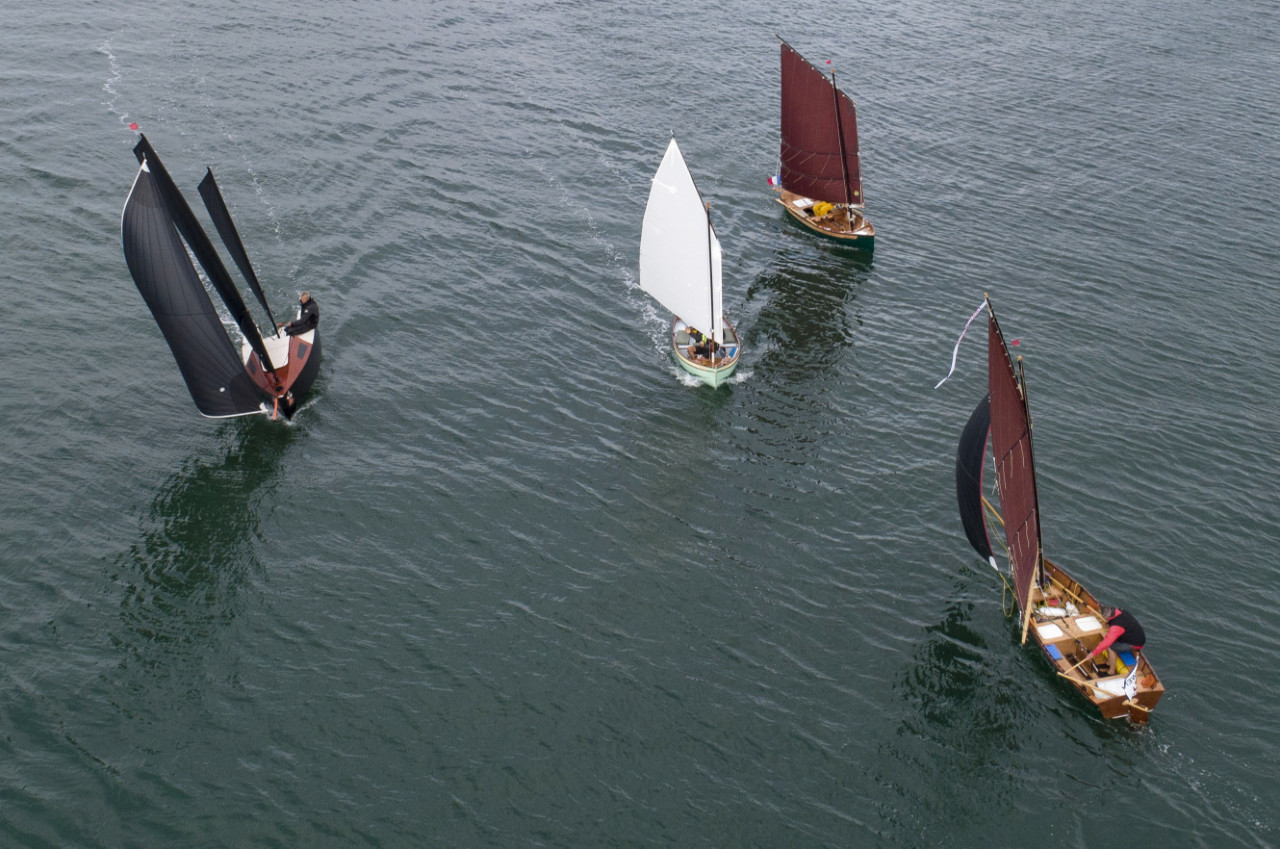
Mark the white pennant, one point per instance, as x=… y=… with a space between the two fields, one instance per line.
x=956 y=352
x=1131 y=681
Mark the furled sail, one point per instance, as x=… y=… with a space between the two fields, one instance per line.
x=819 y=156
x=679 y=253
x=185 y=220
x=162 y=269
x=221 y=217
x=1015 y=465
x=970 y=458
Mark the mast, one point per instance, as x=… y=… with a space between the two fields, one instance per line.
x=1022 y=387
x=844 y=166
x=1039 y=554
x=711 y=279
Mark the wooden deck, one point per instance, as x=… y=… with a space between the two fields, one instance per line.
x=1067 y=623
x=841 y=222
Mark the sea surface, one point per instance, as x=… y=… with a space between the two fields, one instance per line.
x=509 y=579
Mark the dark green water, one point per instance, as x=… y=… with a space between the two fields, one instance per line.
x=509 y=580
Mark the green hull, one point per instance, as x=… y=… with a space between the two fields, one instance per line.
x=715 y=375
x=709 y=376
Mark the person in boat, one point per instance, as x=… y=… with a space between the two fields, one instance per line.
x=704 y=347
x=308 y=316
x=1123 y=634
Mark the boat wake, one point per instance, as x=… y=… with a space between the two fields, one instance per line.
x=114 y=77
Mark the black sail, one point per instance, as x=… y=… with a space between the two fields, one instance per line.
x=231 y=237
x=161 y=268
x=194 y=234
x=970 y=457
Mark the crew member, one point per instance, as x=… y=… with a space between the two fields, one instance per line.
x=704 y=348
x=1124 y=633
x=308 y=316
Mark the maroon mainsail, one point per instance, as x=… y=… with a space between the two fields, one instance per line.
x=1015 y=467
x=819 y=157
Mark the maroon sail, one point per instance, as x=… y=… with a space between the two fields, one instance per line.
x=1015 y=466
x=819 y=157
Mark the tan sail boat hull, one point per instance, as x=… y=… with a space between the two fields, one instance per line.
x=1066 y=639
x=842 y=222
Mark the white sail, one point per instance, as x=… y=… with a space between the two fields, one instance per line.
x=679 y=251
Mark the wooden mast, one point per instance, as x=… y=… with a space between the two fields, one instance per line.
x=844 y=167
x=1039 y=573
x=711 y=284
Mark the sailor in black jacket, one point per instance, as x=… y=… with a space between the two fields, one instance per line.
x=308 y=316
x=1124 y=633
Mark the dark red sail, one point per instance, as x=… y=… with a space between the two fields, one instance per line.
x=1015 y=466
x=819 y=157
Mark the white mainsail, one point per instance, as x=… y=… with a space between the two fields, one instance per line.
x=679 y=251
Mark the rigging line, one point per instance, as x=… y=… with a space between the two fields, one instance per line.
x=1007 y=591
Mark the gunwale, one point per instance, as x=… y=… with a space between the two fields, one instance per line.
x=835 y=225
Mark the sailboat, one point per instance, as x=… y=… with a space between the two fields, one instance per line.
x=1055 y=609
x=680 y=267
x=819 y=179
x=267 y=375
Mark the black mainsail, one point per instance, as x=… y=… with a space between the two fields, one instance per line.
x=185 y=220
x=162 y=269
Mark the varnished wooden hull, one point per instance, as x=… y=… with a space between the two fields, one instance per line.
x=842 y=223
x=713 y=373
x=1066 y=639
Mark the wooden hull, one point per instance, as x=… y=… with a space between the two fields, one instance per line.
x=1065 y=638
x=286 y=387
x=711 y=372
x=842 y=223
